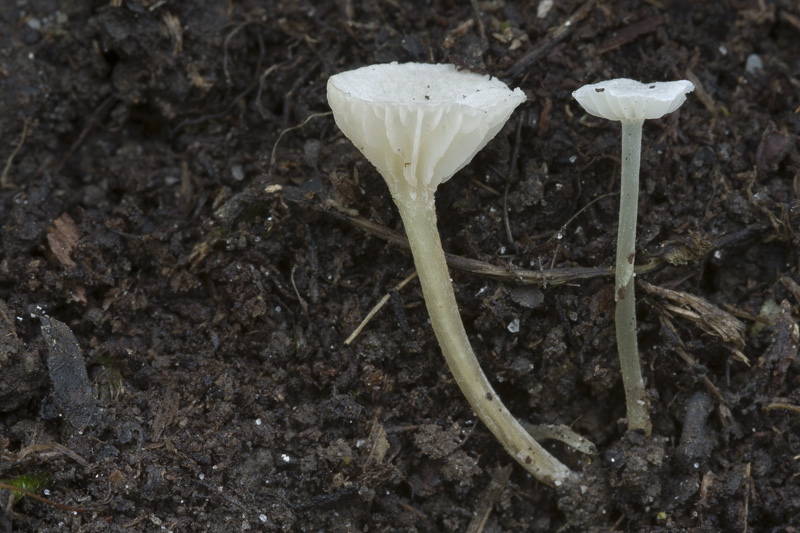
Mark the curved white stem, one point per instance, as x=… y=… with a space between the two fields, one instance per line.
x=419 y=219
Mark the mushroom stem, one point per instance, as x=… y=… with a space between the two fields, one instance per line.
x=631 y=102
x=625 y=315
x=419 y=219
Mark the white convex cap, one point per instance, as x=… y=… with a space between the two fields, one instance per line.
x=418 y=123
x=629 y=100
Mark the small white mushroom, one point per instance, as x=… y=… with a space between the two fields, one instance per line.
x=631 y=103
x=420 y=124
x=629 y=100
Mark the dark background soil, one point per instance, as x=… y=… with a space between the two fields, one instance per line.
x=176 y=288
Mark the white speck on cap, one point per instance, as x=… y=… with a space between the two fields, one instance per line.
x=629 y=100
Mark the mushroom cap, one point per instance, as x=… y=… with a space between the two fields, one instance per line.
x=418 y=123
x=629 y=100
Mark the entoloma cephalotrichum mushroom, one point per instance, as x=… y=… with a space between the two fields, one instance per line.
x=420 y=124
x=631 y=103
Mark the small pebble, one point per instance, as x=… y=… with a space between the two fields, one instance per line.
x=753 y=63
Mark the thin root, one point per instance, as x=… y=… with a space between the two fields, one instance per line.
x=5 y=183
x=287 y=130
x=44 y=500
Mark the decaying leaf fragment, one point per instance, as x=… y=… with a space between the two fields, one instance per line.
x=72 y=390
x=706 y=315
x=692 y=248
x=63 y=237
x=780 y=354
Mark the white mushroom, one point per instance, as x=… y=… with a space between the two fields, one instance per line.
x=417 y=123
x=420 y=124
x=629 y=100
x=631 y=103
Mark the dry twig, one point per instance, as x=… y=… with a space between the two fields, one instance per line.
x=552 y=38
x=378 y=307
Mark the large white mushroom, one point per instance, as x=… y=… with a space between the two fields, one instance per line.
x=631 y=103
x=420 y=124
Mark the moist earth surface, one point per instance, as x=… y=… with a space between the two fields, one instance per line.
x=188 y=244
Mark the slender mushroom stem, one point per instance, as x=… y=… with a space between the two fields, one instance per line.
x=631 y=103
x=625 y=315
x=419 y=219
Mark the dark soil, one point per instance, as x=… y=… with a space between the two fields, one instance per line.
x=188 y=240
